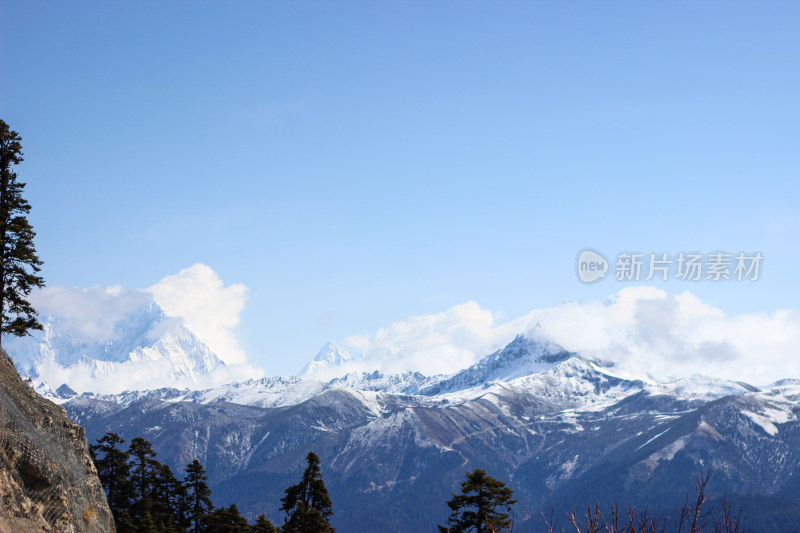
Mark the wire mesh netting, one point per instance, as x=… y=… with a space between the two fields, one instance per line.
x=38 y=466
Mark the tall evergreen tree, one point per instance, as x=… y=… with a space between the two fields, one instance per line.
x=169 y=504
x=199 y=494
x=179 y=500
x=307 y=504
x=226 y=520
x=19 y=264
x=484 y=501
x=147 y=525
x=125 y=524
x=144 y=477
x=263 y=525
x=114 y=472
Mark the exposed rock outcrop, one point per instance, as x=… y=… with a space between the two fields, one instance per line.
x=48 y=482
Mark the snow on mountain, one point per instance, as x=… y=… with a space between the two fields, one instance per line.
x=700 y=386
x=404 y=383
x=523 y=356
x=144 y=345
x=60 y=395
x=278 y=391
x=542 y=416
x=545 y=416
x=330 y=356
x=527 y=366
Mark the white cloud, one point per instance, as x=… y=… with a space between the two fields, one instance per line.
x=87 y=320
x=141 y=375
x=643 y=329
x=432 y=343
x=646 y=330
x=209 y=308
x=89 y=314
x=196 y=294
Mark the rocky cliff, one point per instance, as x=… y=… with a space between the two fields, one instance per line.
x=47 y=479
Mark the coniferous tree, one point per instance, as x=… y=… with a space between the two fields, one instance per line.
x=179 y=501
x=263 y=525
x=226 y=520
x=198 y=493
x=144 y=478
x=168 y=503
x=19 y=263
x=114 y=472
x=307 y=504
x=147 y=525
x=125 y=523
x=484 y=501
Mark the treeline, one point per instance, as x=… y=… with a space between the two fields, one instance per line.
x=145 y=496
x=485 y=505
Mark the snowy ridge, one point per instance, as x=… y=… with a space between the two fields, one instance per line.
x=523 y=356
x=526 y=366
x=539 y=413
x=404 y=383
x=279 y=391
x=330 y=355
x=701 y=387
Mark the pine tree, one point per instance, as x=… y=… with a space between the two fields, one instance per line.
x=226 y=520
x=113 y=471
x=125 y=524
x=180 y=503
x=484 y=501
x=144 y=475
x=168 y=503
x=308 y=505
x=199 y=494
x=263 y=525
x=147 y=525
x=19 y=263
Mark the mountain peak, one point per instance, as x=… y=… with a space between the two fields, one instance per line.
x=332 y=353
x=143 y=343
x=523 y=356
x=329 y=356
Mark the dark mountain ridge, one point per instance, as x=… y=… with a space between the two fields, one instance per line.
x=560 y=429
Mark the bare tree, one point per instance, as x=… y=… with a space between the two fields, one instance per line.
x=694 y=517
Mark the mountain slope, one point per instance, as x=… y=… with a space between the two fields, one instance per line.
x=560 y=429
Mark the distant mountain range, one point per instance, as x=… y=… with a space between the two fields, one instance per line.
x=561 y=429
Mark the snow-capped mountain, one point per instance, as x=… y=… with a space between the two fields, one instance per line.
x=142 y=342
x=330 y=356
x=523 y=356
x=562 y=429
x=60 y=395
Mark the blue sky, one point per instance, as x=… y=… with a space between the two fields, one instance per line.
x=354 y=164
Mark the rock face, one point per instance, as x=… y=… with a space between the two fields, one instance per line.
x=48 y=482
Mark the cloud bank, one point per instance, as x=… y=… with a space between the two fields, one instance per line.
x=90 y=314
x=87 y=320
x=141 y=375
x=643 y=330
x=208 y=308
